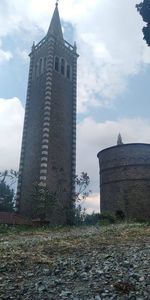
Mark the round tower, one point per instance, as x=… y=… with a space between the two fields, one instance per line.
x=125 y=180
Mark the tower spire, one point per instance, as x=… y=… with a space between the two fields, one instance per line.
x=55 y=25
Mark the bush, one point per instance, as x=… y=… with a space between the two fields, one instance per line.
x=120 y=216
x=4 y=228
x=107 y=219
x=92 y=219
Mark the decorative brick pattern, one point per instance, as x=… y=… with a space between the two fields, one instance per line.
x=47 y=107
x=74 y=83
x=48 y=156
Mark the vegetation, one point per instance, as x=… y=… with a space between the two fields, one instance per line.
x=7 y=179
x=82 y=183
x=144 y=10
x=65 y=262
x=42 y=201
x=6 y=198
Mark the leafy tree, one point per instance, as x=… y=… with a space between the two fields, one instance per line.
x=42 y=201
x=7 y=179
x=9 y=175
x=92 y=219
x=82 y=182
x=144 y=10
x=6 y=197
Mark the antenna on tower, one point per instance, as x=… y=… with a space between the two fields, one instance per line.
x=57 y=2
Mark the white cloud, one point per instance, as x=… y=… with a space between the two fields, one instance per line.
x=5 y=56
x=11 y=122
x=94 y=136
x=23 y=54
x=109 y=38
x=92 y=204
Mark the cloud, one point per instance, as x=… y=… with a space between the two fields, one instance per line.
x=23 y=54
x=11 y=123
x=5 y=56
x=109 y=38
x=94 y=136
x=112 y=50
x=92 y=204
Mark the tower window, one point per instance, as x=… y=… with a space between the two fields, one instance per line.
x=62 y=66
x=57 y=64
x=45 y=62
x=68 y=72
x=36 y=70
x=41 y=66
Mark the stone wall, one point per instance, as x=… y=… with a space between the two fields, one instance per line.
x=125 y=180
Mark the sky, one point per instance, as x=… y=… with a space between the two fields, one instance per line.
x=113 y=75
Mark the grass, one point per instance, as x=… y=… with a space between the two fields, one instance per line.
x=44 y=246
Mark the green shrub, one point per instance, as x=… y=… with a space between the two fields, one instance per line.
x=4 y=228
x=92 y=219
x=107 y=219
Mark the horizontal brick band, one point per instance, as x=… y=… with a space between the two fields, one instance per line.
x=45 y=147
x=45 y=141
x=43 y=158
x=47 y=98
x=46 y=124
x=44 y=152
x=43 y=171
x=45 y=135
x=48 y=93
x=48 y=103
x=46 y=119
x=42 y=184
x=47 y=108
x=43 y=178
x=43 y=165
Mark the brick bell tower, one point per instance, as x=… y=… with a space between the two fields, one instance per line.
x=48 y=154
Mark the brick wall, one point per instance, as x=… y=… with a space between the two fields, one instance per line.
x=125 y=180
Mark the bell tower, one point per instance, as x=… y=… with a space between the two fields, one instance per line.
x=48 y=154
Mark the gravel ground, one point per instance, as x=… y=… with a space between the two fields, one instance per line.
x=110 y=262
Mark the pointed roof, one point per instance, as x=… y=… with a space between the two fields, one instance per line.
x=55 y=25
x=119 y=140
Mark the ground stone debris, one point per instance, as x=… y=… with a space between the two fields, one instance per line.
x=92 y=263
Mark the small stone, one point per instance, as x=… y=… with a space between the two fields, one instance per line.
x=42 y=288
x=30 y=274
x=141 y=279
x=65 y=293
x=46 y=271
x=97 y=297
x=99 y=272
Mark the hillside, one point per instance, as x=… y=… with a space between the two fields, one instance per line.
x=89 y=263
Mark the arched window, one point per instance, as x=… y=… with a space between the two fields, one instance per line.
x=36 y=70
x=57 y=64
x=62 y=66
x=45 y=62
x=68 y=72
x=41 y=66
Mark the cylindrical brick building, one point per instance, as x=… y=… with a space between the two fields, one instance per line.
x=125 y=180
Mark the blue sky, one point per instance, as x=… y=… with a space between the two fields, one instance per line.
x=113 y=75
